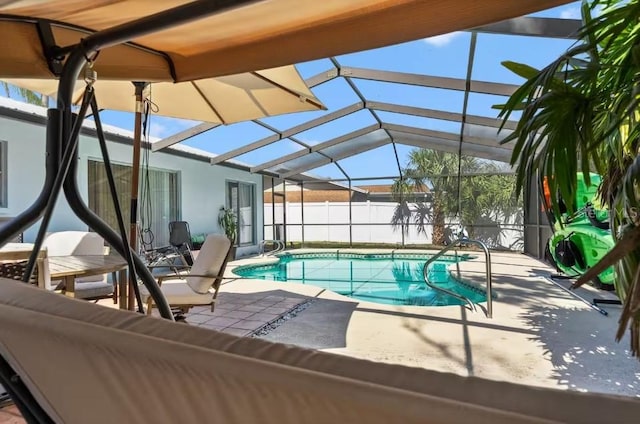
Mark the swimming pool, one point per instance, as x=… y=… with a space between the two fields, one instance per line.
x=392 y=279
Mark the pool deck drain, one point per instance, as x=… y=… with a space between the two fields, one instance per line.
x=270 y=326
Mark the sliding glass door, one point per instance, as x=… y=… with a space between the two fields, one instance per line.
x=158 y=199
x=241 y=199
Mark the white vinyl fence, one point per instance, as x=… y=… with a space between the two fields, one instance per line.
x=371 y=223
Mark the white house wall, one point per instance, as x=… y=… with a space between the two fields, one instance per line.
x=202 y=186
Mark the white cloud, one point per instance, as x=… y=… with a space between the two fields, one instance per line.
x=571 y=13
x=292 y=146
x=442 y=40
x=164 y=127
x=159 y=130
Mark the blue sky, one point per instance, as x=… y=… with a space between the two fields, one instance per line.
x=446 y=55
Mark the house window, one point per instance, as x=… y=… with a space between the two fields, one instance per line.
x=4 y=183
x=158 y=201
x=241 y=197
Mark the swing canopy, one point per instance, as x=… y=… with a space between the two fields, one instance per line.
x=229 y=36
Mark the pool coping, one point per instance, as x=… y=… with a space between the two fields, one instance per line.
x=267 y=260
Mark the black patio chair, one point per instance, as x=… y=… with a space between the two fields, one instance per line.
x=167 y=256
x=180 y=238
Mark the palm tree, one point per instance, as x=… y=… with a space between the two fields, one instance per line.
x=429 y=171
x=28 y=96
x=483 y=199
x=581 y=113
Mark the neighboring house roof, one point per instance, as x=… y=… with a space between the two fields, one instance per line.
x=315 y=196
x=320 y=185
x=360 y=194
x=384 y=188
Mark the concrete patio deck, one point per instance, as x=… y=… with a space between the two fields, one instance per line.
x=539 y=334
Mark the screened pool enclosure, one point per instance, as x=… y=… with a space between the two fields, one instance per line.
x=408 y=152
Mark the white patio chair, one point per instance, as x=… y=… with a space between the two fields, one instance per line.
x=197 y=285
x=78 y=243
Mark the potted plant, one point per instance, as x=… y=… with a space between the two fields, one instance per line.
x=582 y=113
x=228 y=222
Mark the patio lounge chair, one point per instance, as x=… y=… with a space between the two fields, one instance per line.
x=147 y=370
x=180 y=239
x=158 y=257
x=197 y=285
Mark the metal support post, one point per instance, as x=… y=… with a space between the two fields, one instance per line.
x=116 y=204
x=135 y=182
x=402 y=224
x=73 y=65
x=273 y=208
x=350 y=218
x=539 y=251
x=302 y=210
x=69 y=155
x=284 y=211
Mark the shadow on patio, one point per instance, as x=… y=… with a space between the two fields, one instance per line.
x=590 y=360
x=323 y=325
x=457 y=346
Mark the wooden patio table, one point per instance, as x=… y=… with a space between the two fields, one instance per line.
x=68 y=268
x=18 y=251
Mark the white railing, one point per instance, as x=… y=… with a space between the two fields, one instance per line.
x=279 y=247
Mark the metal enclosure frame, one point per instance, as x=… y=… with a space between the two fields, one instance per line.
x=461 y=143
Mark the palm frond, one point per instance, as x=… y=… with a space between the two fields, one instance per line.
x=581 y=113
x=401 y=217
x=422 y=215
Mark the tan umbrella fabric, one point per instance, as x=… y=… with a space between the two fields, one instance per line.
x=223 y=100
x=258 y=35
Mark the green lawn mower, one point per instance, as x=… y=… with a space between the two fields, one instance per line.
x=582 y=238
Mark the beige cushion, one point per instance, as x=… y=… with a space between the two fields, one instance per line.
x=441 y=394
x=91 y=289
x=66 y=243
x=102 y=375
x=178 y=292
x=76 y=243
x=211 y=257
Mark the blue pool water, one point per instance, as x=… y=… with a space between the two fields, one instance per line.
x=378 y=278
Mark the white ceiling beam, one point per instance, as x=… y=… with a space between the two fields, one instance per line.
x=316 y=148
x=446 y=83
x=534 y=27
x=289 y=132
x=325 y=161
x=182 y=136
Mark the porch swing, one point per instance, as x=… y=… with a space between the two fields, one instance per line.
x=119 y=366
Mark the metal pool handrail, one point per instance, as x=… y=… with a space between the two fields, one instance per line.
x=487 y=255
x=280 y=246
